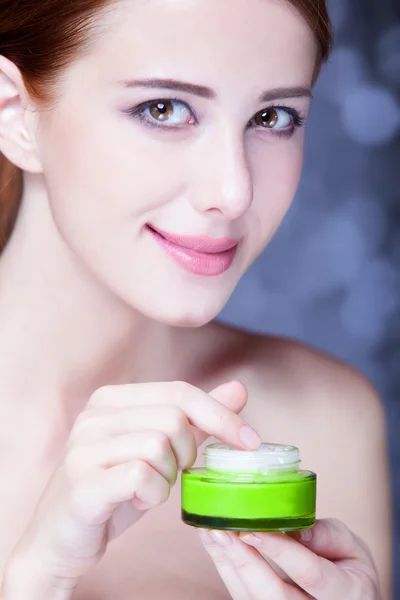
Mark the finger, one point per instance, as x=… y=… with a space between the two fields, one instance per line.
x=224 y=566
x=233 y=395
x=235 y=561
x=169 y=421
x=332 y=539
x=203 y=411
x=318 y=576
x=94 y=499
x=153 y=447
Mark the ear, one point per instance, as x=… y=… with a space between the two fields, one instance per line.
x=17 y=125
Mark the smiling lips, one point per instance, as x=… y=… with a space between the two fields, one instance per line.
x=200 y=255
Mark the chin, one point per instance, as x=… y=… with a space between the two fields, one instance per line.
x=191 y=315
x=191 y=321
x=189 y=318
x=176 y=301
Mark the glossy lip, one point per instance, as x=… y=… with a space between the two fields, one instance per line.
x=201 y=255
x=201 y=243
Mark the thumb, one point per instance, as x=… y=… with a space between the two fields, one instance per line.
x=233 y=395
x=333 y=540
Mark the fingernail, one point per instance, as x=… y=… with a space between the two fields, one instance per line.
x=306 y=535
x=249 y=438
x=252 y=540
x=206 y=537
x=221 y=538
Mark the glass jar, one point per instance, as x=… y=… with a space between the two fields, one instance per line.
x=239 y=490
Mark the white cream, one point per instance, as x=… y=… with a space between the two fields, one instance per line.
x=268 y=458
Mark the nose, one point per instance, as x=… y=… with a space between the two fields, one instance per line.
x=226 y=182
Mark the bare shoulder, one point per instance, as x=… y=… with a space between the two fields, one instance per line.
x=290 y=376
x=337 y=408
x=299 y=395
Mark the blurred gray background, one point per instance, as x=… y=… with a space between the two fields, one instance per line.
x=331 y=276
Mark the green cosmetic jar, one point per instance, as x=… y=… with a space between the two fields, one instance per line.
x=238 y=490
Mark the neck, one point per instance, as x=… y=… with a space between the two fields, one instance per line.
x=63 y=334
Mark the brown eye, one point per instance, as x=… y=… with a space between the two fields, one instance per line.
x=161 y=111
x=267 y=118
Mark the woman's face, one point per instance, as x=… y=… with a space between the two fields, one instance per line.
x=175 y=148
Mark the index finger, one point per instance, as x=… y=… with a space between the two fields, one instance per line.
x=202 y=411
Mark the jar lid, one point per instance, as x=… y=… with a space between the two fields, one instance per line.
x=267 y=458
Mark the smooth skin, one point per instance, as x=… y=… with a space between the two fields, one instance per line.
x=109 y=352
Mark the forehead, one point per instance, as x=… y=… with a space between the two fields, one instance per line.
x=249 y=43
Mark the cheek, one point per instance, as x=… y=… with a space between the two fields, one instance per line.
x=101 y=173
x=276 y=172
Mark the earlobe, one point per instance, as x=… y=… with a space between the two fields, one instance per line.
x=17 y=142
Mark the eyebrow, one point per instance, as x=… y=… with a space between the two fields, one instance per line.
x=173 y=85
x=286 y=92
x=210 y=94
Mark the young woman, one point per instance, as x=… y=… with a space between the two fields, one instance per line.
x=159 y=145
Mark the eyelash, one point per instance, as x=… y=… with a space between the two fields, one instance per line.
x=298 y=121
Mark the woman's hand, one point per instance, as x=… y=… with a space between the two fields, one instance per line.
x=326 y=563
x=122 y=458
